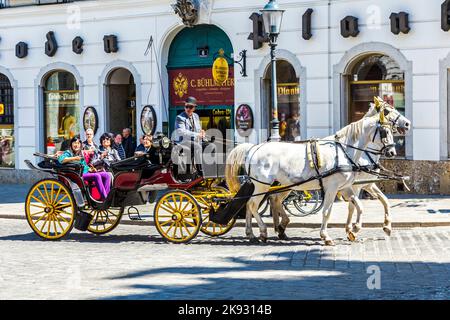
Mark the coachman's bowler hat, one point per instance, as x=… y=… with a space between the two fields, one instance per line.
x=191 y=101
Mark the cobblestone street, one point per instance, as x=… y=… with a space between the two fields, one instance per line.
x=134 y=263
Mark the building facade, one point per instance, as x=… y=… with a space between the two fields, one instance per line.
x=111 y=64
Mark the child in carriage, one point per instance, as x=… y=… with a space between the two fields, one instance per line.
x=75 y=155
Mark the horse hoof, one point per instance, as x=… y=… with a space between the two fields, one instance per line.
x=283 y=236
x=263 y=239
x=329 y=243
x=254 y=240
x=356 y=228
x=351 y=236
x=387 y=231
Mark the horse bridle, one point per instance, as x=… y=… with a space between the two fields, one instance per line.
x=382 y=130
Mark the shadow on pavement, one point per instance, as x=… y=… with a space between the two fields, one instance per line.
x=279 y=276
x=13 y=193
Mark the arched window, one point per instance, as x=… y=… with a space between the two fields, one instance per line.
x=61 y=110
x=376 y=75
x=7 y=159
x=288 y=100
x=121 y=101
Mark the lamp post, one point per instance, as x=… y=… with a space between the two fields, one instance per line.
x=272 y=17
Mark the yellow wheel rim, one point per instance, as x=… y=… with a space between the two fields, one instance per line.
x=104 y=221
x=204 y=199
x=50 y=209
x=177 y=217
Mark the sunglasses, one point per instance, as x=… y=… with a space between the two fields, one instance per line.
x=189 y=107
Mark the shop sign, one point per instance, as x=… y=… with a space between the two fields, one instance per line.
x=2 y=109
x=244 y=120
x=288 y=89
x=220 y=69
x=51 y=46
x=62 y=96
x=199 y=83
x=221 y=112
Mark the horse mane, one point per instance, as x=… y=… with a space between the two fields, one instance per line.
x=353 y=131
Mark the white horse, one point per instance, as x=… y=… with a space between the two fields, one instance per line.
x=401 y=125
x=288 y=164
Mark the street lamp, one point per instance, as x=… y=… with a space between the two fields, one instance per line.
x=272 y=17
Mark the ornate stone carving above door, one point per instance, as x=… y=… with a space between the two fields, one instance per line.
x=188 y=11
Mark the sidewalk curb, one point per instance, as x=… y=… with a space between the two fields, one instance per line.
x=146 y=223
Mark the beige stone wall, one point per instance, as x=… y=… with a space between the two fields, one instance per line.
x=426 y=177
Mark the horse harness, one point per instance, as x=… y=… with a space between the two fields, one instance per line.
x=315 y=163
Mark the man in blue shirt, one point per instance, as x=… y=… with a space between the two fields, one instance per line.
x=119 y=147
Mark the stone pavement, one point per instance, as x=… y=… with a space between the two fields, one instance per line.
x=407 y=211
x=134 y=263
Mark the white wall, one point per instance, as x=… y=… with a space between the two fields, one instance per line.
x=134 y=21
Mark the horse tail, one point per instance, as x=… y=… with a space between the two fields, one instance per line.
x=235 y=160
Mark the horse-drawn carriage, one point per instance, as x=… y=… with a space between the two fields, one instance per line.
x=202 y=203
x=56 y=204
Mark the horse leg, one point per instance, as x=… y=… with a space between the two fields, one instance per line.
x=330 y=195
x=359 y=208
x=275 y=216
x=348 y=227
x=248 y=224
x=284 y=217
x=254 y=210
x=387 y=225
x=351 y=236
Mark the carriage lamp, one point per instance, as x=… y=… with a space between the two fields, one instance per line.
x=272 y=18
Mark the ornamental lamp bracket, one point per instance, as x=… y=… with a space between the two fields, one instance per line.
x=188 y=11
x=242 y=62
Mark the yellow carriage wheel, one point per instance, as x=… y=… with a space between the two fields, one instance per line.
x=208 y=227
x=50 y=209
x=178 y=216
x=104 y=221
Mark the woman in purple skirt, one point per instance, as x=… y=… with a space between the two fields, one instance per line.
x=75 y=155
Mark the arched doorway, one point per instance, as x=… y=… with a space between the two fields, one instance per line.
x=376 y=75
x=61 y=110
x=288 y=94
x=121 y=101
x=7 y=155
x=190 y=60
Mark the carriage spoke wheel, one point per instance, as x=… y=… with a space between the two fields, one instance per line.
x=104 y=221
x=177 y=216
x=208 y=227
x=50 y=209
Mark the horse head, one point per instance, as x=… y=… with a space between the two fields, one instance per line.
x=400 y=124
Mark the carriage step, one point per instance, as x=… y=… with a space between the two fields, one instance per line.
x=153 y=187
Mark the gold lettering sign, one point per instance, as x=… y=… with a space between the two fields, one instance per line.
x=220 y=69
x=288 y=90
x=2 y=109
x=219 y=112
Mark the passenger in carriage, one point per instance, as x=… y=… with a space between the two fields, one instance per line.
x=90 y=147
x=107 y=153
x=140 y=147
x=89 y=144
x=119 y=147
x=75 y=155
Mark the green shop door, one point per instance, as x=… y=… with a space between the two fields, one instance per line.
x=190 y=63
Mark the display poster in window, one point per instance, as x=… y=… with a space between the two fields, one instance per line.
x=244 y=120
x=148 y=120
x=90 y=119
